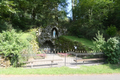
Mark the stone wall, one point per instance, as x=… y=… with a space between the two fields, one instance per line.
x=46 y=34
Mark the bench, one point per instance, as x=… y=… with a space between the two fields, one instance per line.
x=52 y=61
x=92 y=59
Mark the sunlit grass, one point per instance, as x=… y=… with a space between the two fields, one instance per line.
x=96 y=69
x=84 y=41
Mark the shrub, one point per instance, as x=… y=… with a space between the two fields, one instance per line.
x=99 y=42
x=10 y=43
x=110 y=48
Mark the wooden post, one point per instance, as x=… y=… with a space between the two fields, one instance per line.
x=76 y=59
x=65 y=59
x=31 y=63
x=51 y=63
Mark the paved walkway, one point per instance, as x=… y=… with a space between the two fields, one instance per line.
x=63 y=77
x=68 y=61
x=45 y=64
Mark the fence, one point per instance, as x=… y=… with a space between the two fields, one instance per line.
x=64 y=58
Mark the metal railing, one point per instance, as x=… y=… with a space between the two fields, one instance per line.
x=65 y=58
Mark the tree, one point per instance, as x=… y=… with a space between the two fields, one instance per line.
x=6 y=8
x=6 y=11
x=41 y=11
x=114 y=15
x=89 y=16
x=30 y=12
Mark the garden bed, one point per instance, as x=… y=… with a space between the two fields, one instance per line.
x=40 y=56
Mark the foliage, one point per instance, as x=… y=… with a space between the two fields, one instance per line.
x=10 y=43
x=24 y=13
x=26 y=53
x=5 y=26
x=90 y=17
x=6 y=8
x=111 y=31
x=110 y=48
x=99 y=42
x=114 y=15
x=32 y=49
x=64 y=44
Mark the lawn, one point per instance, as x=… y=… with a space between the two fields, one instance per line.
x=84 y=41
x=96 y=69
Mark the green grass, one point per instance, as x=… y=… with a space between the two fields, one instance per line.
x=96 y=69
x=84 y=41
x=27 y=36
x=24 y=36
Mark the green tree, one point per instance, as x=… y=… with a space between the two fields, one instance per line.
x=89 y=16
x=37 y=12
x=6 y=11
x=6 y=8
x=114 y=15
x=24 y=13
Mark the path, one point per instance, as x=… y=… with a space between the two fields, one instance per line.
x=69 y=61
x=52 y=57
x=64 y=77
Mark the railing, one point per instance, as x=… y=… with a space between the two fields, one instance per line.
x=65 y=58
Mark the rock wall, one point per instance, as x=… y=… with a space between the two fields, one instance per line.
x=47 y=34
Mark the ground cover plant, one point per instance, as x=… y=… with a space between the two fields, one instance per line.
x=95 y=69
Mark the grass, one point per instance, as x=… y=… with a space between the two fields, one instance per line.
x=96 y=69
x=84 y=41
x=27 y=35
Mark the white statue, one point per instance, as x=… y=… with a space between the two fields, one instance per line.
x=54 y=33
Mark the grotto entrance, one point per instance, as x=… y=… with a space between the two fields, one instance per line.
x=48 y=46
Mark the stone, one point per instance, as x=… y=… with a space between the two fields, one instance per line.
x=47 y=35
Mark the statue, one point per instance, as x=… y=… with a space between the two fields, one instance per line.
x=54 y=33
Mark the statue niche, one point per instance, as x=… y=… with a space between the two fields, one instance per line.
x=54 y=33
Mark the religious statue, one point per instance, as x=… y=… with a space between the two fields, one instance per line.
x=54 y=33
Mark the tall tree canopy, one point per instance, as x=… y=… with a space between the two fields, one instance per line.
x=22 y=13
x=89 y=16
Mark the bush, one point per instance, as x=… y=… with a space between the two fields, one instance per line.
x=99 y=42
x=10 y=43
x=110 y=48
